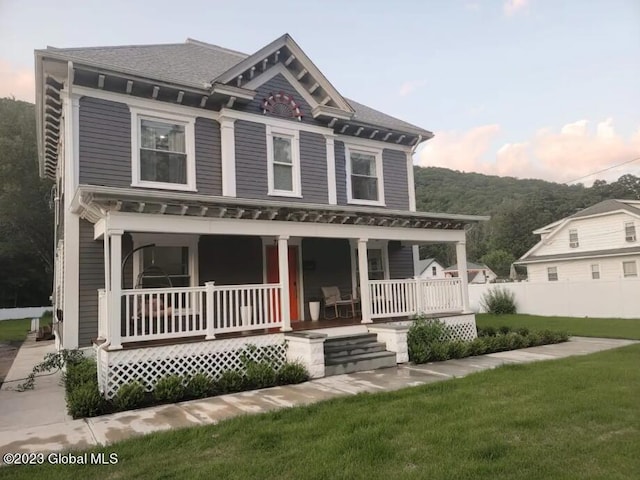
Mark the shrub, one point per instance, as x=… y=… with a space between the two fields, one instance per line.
x=169 y=389
x=80 y=372
x=504 y=329
x=524 y=331
x=499 y=301
x=260 y=375
x=86 y=401
x=534 y=339
x=563 y=336
x=200 y=386
x=487 y=332
x=439 y=352
x=517 y=341
x=477 y=346
x=458 y=349
x=292 y=372
x=231 y=381
x=422 y=337
x=129 y=396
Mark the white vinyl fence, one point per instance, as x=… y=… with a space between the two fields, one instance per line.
x=23 y=312
x=593 y=298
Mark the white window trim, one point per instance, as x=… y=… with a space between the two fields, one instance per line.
x=624 y=275
x=549 y=279
x=377 y=154
x=190 y=149
x=294 y=135
x=597 y=270
x=630 y=238
x=167 y=240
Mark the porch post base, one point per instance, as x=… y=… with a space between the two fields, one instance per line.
x=308 y=349
x=286 y=329
x=366 y=320
x=395 y=339
x=210 y=337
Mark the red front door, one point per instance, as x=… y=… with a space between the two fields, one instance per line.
x=273 y=276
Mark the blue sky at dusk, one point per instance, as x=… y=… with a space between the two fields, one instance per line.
x=528 y=88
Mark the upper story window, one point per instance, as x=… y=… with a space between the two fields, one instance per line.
x=630 y=231
x=434 y=271
x=552 y=274
x=364 y=175
x=573 y=238
x=630 y=269
x=595 y=271
x=163 y=149
x=283 y=159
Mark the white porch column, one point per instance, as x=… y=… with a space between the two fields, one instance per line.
x=331 y=170
x=228 y=151
x=363 y=265
x=461 y=260
x=104 y=315
x=283 y=275
x=209 y=292
x=115 y=304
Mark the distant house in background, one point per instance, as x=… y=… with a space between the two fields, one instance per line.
x=597 y=243
x=430 y=268
x=476 y=273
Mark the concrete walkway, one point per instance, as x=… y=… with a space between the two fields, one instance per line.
x=35 y=421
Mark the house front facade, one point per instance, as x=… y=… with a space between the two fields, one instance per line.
x=430 y=268
x=205 y=197
x=598 y=243
x=476 y=273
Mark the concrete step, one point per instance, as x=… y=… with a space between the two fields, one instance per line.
x=350 y=339
x=359 y=363
x=332 y=351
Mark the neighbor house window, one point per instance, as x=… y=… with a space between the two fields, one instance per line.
x=595 y=271
x=163 y=151
x=573 y=238
x=434 y=271
x=364 y=176
x=630 y=231
x=630 y=269
x=552 y=274
x=283 y=160
x=164 y=267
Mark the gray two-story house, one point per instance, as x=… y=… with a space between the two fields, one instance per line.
x=207 y=199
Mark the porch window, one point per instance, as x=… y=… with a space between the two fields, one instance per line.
x=630 y=269
x=595 y=271
x=283 y=162
x=630 y=231
x=364 y=176
x=161 y=265
x=163 y=152
x=552 y=274
x=376 y=264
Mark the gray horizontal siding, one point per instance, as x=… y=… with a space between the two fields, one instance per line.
x=104 y=143
x=230 y=260
x=276 y=85
x=91 y=276
x=251 y=164
x=341 y=173
x=208 y=157
x=400 y=260
x=394 y=166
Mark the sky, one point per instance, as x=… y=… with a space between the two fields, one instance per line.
x=526 y=88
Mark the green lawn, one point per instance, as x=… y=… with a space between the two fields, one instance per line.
x=16 y=330
x=586 y=327
x=577 y=418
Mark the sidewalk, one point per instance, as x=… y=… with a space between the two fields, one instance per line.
x=35 y=421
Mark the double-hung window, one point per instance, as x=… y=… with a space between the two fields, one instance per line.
x=364 y=176
x=595 y=271
x=283 y=158
x=163 y=151
x=552 y=274
x=573 y=238
x=630 y=231
x=630 y=269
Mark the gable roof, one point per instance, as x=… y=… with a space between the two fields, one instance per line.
x=607 y=206
x=426 y=263
x=197 y=65
x=470 y=266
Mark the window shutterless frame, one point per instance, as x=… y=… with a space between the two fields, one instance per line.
x=376 y=153
x=169 y=119
x=283 y=135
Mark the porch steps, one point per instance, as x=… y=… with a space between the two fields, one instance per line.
x=355 y=353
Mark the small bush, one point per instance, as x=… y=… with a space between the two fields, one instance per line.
x=86 y=401
x=524 y=331
x=487 y=332
x=260 y=375
x=129 y=396
x=457 y=349
x=563 y=336
x=169 y=389
x=231 y=381
x=80 y=372
x=504 y=329
x=292 y=372
x=499 y=301
x=439 y=352
x=477 y=346
x=200 y=386
x=534 y=339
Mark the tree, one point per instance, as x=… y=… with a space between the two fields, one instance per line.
x=499 y=261
x=26 y=221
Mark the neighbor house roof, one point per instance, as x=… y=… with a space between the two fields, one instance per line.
x=607 y=206
x=577 y=255
x=470 y=266
x=425 y=263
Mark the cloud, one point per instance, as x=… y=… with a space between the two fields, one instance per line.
x=573 y=151
x=16 y=82
x=511 y=7
x=410 y=86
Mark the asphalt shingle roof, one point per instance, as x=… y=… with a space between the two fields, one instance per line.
x=195 y=64
x=606 y=206
x=590 y=254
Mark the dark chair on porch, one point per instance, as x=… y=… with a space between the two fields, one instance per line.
x=333 y=300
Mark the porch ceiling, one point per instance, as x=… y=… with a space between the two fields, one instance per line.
x=94 y=202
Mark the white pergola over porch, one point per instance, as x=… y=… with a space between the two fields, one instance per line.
x=214 y=309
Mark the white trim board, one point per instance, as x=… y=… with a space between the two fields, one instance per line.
x=280 y=69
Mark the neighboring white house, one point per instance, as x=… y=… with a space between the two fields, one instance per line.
x=476 y=273
x=429 y=268
x=597 y=243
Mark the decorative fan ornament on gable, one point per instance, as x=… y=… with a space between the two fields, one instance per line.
x=282 y=105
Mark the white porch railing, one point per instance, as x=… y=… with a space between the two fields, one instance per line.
x=399 y=298
x=161 y=313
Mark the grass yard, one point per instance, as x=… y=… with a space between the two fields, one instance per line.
x=16 y=330
x=577 y=418
x=585 y=327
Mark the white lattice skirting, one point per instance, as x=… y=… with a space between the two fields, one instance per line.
x=148 y=365
x=461 y=327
